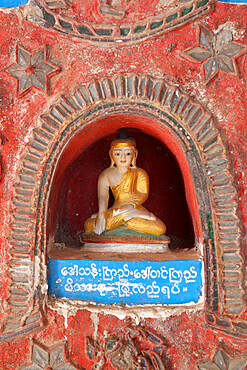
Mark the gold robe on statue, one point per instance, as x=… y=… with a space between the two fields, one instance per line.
x=132 y=190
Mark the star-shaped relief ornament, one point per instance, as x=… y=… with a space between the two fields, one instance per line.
x=222 y=360
x=32 y=69
x=216 y=51
x=49 y=358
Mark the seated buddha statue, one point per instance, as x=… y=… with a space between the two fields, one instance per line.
x=130 y=188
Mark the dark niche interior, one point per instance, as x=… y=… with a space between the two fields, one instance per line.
x=77 y=198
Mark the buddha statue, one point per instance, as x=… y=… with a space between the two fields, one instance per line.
x=130 y=188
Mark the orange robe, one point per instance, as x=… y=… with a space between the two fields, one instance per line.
x=133 y=189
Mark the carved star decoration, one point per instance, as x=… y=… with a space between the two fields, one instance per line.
x=223 y=361
x=216 y=51
x=32 y=69
x=52 y=358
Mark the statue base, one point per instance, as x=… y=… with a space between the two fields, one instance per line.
x=124 y=240
x=125 y=247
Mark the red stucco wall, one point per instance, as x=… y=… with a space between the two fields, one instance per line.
x=188 y=337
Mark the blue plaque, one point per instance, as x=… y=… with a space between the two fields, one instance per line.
x=126 y=282
x=12 y=3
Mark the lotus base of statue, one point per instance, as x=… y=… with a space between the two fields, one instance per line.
x=123 y=239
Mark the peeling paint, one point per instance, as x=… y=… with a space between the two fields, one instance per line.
x=95 y=321
x=67 y=308
x=237 y=33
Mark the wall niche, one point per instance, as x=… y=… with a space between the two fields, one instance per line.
x=77 y=198
x=135 y=272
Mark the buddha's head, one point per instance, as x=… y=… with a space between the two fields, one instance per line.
x=123 y=152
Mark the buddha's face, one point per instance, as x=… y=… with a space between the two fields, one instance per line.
x=123 y=157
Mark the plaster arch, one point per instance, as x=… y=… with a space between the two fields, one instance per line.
x=197 y=139
x=86 y=133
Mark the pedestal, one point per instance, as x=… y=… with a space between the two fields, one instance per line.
x=124 y=240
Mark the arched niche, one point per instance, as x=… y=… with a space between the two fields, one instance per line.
x=187 y=129
x=73 y=195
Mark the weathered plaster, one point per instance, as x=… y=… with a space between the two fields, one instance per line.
x=67 y=308
x=191 y=340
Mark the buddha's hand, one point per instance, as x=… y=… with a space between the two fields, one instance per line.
x=130 y=212
x=149 y=216
x=141 y=214
x=100 y=224
x=126 y=210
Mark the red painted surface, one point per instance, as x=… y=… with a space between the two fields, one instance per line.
x=89 y=10
x=189 y=340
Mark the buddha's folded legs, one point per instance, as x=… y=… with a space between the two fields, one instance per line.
x=155 y=227
x=89 y=225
